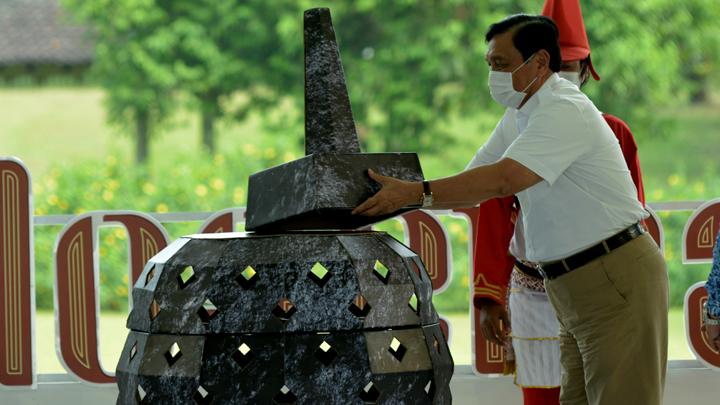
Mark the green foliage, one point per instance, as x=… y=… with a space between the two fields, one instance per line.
x=411 y=65
x=181 y=183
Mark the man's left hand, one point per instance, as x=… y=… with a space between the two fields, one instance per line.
x=393 y=195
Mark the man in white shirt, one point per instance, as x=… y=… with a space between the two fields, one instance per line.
x=605 y=278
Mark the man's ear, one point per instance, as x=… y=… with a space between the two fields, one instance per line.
x=542 y=59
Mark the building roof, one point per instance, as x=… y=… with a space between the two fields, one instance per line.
x=39 y=32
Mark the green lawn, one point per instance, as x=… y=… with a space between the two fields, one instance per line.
x=113 y=334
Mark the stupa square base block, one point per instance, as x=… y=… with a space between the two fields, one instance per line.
x=259 y=366
x=319 y=191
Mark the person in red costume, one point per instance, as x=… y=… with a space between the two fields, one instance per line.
x=499 y=250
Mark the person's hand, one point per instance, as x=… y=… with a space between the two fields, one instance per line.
x=494 y=322
x=393 y=195
x=713 y=334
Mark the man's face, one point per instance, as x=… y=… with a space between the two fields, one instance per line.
x=576 y=66
x=502 y=56
x=570 y=66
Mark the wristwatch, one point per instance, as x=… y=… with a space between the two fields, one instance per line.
x=427 y=198
x=707 y=319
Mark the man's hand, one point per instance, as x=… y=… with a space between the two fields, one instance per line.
x=713 y=335
x=393 y=195
x=494 y=322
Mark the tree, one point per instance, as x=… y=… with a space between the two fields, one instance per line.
x=133 y=52
x=223 y=47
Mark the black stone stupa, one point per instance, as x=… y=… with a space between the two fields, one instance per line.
x=282 y=317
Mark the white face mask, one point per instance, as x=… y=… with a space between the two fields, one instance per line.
x=572 y=77
x=502 y=90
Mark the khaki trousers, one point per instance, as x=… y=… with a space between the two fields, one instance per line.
x=613 y=327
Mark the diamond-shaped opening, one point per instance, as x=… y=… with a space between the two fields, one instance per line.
x=140 y=393
x=382 y=272
x=173 y=354
x=319 y=274
x=207 y=311
x=247 y=277
x=202 y=396
x=133 y=351
x=186 y=276
x=430 y=388
x=285 y=396
x=150 y=275
x=243 y=355
x=359 y=307
x=325 y=353
x=369 y=394
x=413 y=303
x=284 y=309
x=397 y=349
x=154 y=309
x=436 y=344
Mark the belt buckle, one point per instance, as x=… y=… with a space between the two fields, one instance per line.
x=541 y=271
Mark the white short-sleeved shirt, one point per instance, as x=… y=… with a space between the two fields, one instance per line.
x=587 y=193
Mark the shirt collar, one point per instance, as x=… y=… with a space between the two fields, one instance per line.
x=534 y=101
x=523 y=114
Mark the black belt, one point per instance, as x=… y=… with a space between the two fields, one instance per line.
x=556 y=269
x=527 y=270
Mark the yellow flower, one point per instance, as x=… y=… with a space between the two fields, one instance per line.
x=121 y=290
x=674 y=180
x=119 y=233
x=288 y=156
x=217 y=184
x=149 y=188
x=161 y=208
x=108 y=195
x=270 y=153
x=113 y=184
x=40 y=211
x=52 y=199
x=79 y=211
x=699 y=187
x=669 y=253
x=103 y=252
x=63 y=204
x=50 y=183
x=249 y=149
x=219 y=159
x=125 y=278
x=455 y=228
x=201 y=190
x=658 y=194
x=465 y=281
x=238 y=195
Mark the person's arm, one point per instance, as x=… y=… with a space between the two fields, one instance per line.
x=492 y=265
x=629 y=150
x=713 y=303
x=466 y=189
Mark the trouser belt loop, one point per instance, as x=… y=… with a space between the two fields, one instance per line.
x=565 y=265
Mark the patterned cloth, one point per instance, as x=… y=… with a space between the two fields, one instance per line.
x=713 y=283
x=535 y=333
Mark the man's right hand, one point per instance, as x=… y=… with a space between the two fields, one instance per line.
x=494 y=321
